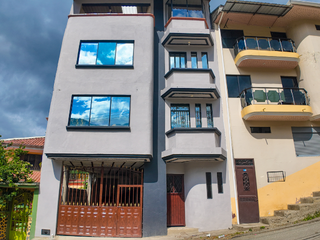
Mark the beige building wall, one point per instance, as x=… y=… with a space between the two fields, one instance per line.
x=273 y=151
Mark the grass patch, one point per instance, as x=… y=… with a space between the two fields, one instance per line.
x=310 y=217
x=262 y=227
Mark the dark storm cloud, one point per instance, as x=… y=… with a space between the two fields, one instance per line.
x=30 y=40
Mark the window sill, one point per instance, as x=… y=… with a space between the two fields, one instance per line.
x=197 y=130
x=190 y=70
x=107 y=128
x=104 y=66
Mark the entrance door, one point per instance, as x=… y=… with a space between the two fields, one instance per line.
x=175 y=200
x=247 y=191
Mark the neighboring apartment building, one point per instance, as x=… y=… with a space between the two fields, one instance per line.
x=269 y=58
x=135 y=139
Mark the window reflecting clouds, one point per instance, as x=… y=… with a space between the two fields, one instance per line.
x=88 y=53
x=106 y=53
x=120 y=109
x=100 y=111
x=80 y=111
x=124 y=54
x=180 y=116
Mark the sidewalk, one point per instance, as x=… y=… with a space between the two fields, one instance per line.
x=181 y=233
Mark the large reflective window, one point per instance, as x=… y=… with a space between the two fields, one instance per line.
x=80 y=111
x=185 y=8
x=120 y=111
x=88 y=53
x=106 y=53
x=177 y=60
x=124 y=54
x=100 y=111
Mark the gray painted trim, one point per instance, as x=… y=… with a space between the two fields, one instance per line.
x=79 y=155
x=79 y=66
x=197 y=130
x=193 y=156
x=190 y=70
x=102 y=128
x=192 y=90
x=186 y=35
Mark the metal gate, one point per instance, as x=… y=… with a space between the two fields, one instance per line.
x=101 y=202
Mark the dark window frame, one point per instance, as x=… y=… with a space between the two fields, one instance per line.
x=104 y=66
x=195 y=110
x=98 y=127
x=180 y=104
x=209 y=117
x=231 y=35
x=180 y=54
x=220 y=182
x=207 y=62
x=238 y=81
x=260 y=129
x=209 y=185
x=317 y=27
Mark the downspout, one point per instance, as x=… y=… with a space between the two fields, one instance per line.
x=228 y=120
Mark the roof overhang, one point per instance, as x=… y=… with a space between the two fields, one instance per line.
x=188 y=39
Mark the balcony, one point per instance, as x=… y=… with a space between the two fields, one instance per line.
x=193 y=144
x=186 y=31
x=190 y=83
x=265 y=52
x=275 y=104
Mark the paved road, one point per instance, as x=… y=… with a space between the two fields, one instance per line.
x=308 y=231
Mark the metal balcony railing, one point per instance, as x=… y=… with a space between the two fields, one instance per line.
x=264 y=43
x=275 y=96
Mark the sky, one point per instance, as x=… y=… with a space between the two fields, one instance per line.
x=30 y=39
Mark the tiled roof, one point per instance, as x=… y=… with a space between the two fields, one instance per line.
x=36 y=176
x=31 y=141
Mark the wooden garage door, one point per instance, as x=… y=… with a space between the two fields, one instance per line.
x=101 y=202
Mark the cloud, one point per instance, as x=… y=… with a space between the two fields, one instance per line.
x=30 y=39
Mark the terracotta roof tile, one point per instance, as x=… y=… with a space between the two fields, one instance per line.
x=36 y=175
x=31 y=141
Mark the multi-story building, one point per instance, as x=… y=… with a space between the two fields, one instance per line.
x=269 y=64
x=135 y=139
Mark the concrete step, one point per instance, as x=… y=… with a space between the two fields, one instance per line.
x=316 y=194
x=306 y=200
x=302 y=206
x=247 y=226
x=274 y=221
x=181 y=230
x=286 y=213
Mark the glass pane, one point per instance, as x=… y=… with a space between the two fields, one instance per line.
x=106 y=53
x=263 y=44
x=183 y=61
x=244 y=82
x=233 y=88
x=171 y=62
x=179 y=12
x=194 y=63
x=204 y=59
x=275 y=45
x=88 y=53
x=80 y=111
x=209 y=116
x=251 y=43
x=195 y=13
x=124 y=55
x=180 y=116
x=287 y=46
x=177 y=61
x=100 y=111
x=120 y=111
x=198 y=115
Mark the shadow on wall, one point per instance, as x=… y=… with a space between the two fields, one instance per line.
x=195 y=174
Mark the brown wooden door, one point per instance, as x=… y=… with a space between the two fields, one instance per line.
x=175 y=200
x=247 y=191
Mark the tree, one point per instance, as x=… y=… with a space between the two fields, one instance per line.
x=12 y=171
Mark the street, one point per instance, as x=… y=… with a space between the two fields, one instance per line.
x=306 y=231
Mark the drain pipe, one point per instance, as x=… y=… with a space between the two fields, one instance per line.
x=228 y=120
